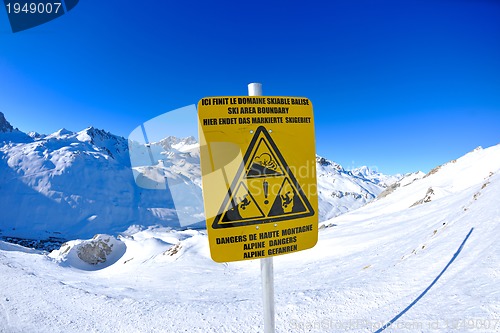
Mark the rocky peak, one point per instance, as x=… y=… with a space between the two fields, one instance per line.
x=98 y=133
x=170 y=141
x=5 y=126
x=324 y=162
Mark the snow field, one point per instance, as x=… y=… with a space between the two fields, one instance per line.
x=425 y=258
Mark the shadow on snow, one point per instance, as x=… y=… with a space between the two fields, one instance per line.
x=393 y=320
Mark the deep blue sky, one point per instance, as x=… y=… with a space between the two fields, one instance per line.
x=398 y=85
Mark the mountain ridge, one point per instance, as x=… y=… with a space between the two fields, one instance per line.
x=5 y=126
x=76 y=184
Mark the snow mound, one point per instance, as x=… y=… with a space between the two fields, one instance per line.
x=96 y=253
x=160 y=245
x=6 y=246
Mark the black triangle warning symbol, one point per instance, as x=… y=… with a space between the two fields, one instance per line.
x=251 y=200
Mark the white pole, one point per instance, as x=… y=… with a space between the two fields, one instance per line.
x=266 y=264
x=267 y=276
x=255 y=89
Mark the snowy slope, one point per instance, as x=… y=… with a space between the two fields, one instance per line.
x=419 y=265
x=172 y=164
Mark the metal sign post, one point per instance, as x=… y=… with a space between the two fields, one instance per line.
x=266 y=264
x=258 y=163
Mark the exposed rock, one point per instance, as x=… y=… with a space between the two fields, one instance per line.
x=388 y=190
x=96 y=250
x=5 y=126
x=427 y=198
x=173 y=250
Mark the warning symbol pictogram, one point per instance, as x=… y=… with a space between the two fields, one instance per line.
x=243 y=206
x=263 y=162
x=264 y=189
x=287 y=201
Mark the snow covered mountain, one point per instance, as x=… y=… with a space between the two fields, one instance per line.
x=341 y=191
x=73 y=184
x=423 y=258
x=76 y=184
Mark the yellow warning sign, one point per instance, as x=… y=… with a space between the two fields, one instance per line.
x=259 y=175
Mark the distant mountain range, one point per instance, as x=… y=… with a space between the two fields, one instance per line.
x=341 y=190
x=76 y=184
